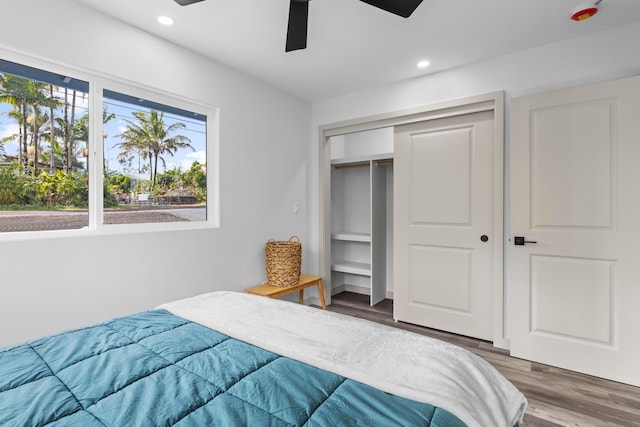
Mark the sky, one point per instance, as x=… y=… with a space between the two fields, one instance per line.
x=195 y=130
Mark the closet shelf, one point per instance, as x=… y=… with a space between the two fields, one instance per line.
x=362 y=159
x=361 y=195
x=359 y=268
x=352 y=237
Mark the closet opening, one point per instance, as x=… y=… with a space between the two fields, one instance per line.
x=362 y=214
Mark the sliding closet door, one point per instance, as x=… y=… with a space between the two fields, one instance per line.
x=575 y=200
x=444 y=224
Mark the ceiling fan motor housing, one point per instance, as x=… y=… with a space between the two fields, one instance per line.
x=187 y=2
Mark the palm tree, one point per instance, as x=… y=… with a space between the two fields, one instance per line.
x=132 y=147
x=15 y=91
x=38 y=99
x=68 y=130
x=53 y=103
x=151 y=137
x=81 y=128
x=16 y=115
x=35 y=121
x=26 y=96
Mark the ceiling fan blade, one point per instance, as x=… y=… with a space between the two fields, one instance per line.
x=187 y=2
x=297 y=29
x=402 y=8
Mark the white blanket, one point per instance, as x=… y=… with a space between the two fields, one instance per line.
x=395 y=361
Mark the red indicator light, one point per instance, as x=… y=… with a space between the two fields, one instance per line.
x=583 y=14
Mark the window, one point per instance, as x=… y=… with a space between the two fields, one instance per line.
x=141 y=162
x=155 y=161
x=43 y=133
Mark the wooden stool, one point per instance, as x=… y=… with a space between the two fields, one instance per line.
x=305 y=281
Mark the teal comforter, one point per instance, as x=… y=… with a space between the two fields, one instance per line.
x=157 y=369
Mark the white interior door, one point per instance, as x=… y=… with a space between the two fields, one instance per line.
x=444 y=205
x=575 y=191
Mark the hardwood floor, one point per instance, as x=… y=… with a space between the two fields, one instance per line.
x=557 y=397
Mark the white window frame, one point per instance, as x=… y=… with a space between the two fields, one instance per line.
x=97 y=84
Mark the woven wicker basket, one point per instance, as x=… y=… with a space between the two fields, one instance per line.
x=283 y=261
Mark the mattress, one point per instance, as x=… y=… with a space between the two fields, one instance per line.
x=233 y=359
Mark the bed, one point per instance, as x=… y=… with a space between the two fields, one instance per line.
x=234 y=359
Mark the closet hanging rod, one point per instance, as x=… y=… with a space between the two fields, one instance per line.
x=355 y=165
x=384 y=163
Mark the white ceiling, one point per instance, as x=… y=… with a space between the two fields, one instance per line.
x=353 y=46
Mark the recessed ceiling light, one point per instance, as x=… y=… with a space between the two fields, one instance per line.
x=165 y=20
x=423 y=64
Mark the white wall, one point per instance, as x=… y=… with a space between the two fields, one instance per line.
x=53 y=284
x=604 y=56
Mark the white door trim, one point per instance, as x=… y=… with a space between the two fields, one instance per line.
x=491 y=101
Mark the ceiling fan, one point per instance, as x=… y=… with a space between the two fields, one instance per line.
x=299 y=16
